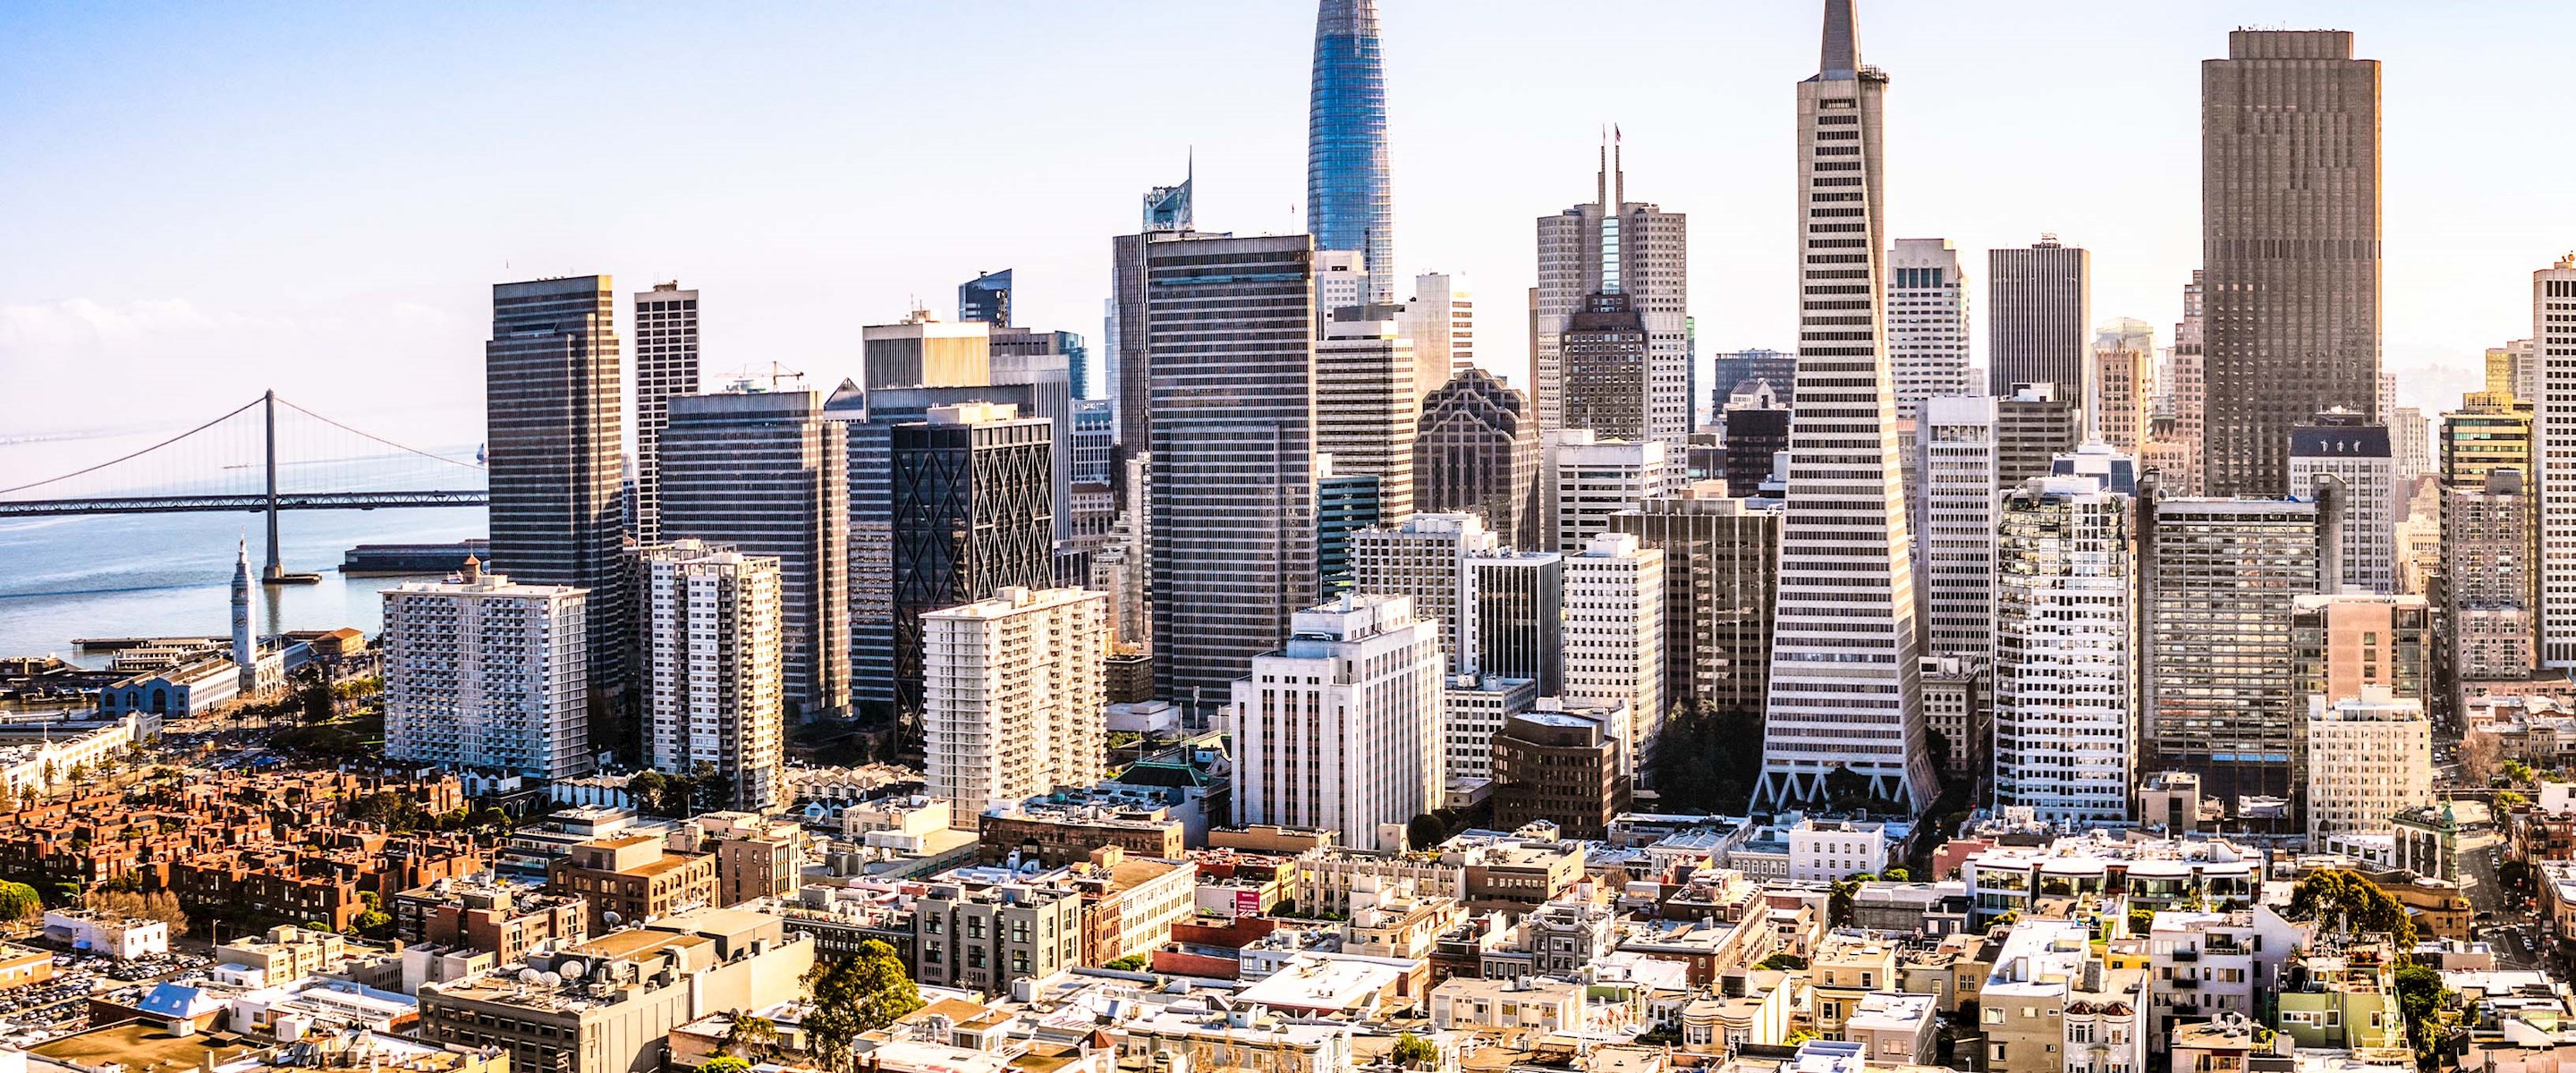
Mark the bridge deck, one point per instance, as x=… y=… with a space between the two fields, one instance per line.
x=298 y=501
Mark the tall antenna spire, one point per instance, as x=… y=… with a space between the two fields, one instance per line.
x=1601 y=178
x=1618 y=170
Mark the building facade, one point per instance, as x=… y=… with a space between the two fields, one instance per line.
x=1955 y=551
x=2340 y=446
x=1013 y=702
x=488 y=674
x=1367 y=409
x=711 y=669
x=1584 y=480
x=1721 y=572
x=2065 y=687
x=2220 y=579
x=1425 y=557
x=971 y=517
x=1348 y=203
x=1845 y=690
x=1927 y=323
x=2553 y=349
x=2368 y=758
x=1614 y=246
x=1614 y=634
x=666 y=364
x=2290 y=237
x=1476 y=450
x=2039 y=312
x=1340 y=727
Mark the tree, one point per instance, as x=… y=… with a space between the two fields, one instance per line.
x=1414 y=1052
x=1898 y=874
x=2419 y=997
x=853 y=995
x=724 y=1063
x=1130 y=963
x=1708 y=759
x=749 y=1036
x=1838 y=906
x=2508 y=800
x=2480 y=757
x=158 y=905
x=2336 y=896
x=20 y=902
x=1425 y=831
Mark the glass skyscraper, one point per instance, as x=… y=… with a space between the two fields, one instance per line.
x=1348 y=206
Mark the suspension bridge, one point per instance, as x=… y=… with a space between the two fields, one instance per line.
x=235 y=462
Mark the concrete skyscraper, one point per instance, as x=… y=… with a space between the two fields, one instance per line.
x=1366 y=408
x=1845 y=689
x=1425 y=557
x=1340 y=727
x=1231 y=325
x=1348 y=204
x=1477 y=450
x=2486 y=569
x=1584 y=479
x=1955 y=540
x=711 y=669
x=2039 y=314
x=553 y=395
x=2173 y=444
x=1927 y=323
x=766 y=473
x=2124 y=377
x=1602 y=359
x=2553 y=342
x=1614 y=635
x=2343 y=446
x=666 y=364
x=1721 y=560
x=2065 y=668
x=2289 y=216
x=1614 y=246
x=1441 y=321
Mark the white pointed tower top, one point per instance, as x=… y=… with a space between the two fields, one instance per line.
x=1841 y=54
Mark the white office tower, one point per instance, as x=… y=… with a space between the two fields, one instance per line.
x=2124 y=384
x=1341 y=280
x=1366 y=407
x=1339 y=728
x=2369 y=758
x=1425 y=558
x=2337 y=444
x=711 y=669
x=2065 y=667
x=1845 y=691
x=2553 y=352
x=1614 y=246
x=1441 y=321
x=1015 y=696
x=1584 y=479
x=1475 y=708
x=488 y=675
x=1927 y=323
x=1955 y=553
x=1614 y=633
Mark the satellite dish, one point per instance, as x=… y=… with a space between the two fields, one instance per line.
x=527 y=976
x=573 y=969
x=550 y=979
x=612 y=918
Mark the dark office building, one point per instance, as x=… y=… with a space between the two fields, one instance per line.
x=986 y=298
x=972 y=516
x=1721 y=577
x=1601 y=358
x=1476 y=452
x=1344 y=504
x=1753 y=436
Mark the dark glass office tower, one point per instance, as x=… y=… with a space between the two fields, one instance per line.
x=1348 y=206
x=986 y=298
x=554 y=407
x=973 y=514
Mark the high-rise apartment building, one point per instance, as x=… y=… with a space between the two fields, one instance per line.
x=1927 y=323
x=1584 y=479
x=1602 y=360
x=1339 y=727
x=969 y=489
x=1614 y=634
x=2289 y=215
x=1231 y=325
x=666 y=364
x=2341 y=446
x=488 y=674
x=1366 y=410
x=711 y=672
x=1013 y=702
x=2034 y=424
x=2219 y=579
x=765 y=473
x=1348 y=204
x=1476 y=450
x=1721 y=567
x=1846 y=691
x=2124 y=378
x=1515 y=608
x=553 y=412
x=1441 y=321
x=1954 y=550
x=1616 y=246
x=2039 y=309
x=1424 y=557
x=2553 y=343
x=2065 y=666
x=2486 y=577
x=986 y=299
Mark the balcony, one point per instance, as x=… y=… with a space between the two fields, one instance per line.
x=2186 y=983
x=2185 y=955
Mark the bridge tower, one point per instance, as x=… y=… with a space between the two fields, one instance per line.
x=275 y=573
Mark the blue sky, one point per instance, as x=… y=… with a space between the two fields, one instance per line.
x=200 y=201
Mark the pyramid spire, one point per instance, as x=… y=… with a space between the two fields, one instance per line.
x=1841 y=57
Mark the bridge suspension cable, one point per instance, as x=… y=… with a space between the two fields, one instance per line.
x=367 y=435
x=137 y=454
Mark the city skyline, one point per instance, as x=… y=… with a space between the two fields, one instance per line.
x=392 y=241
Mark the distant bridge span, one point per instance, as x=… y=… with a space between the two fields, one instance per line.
x=30 y=508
